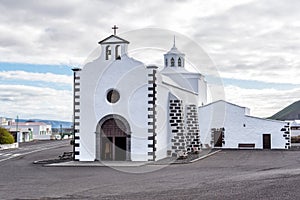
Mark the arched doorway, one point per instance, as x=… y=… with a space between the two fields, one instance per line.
x=113 y=139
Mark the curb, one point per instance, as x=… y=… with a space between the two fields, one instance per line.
x=92 y=164
x=49 y=162
x=187 y=162
x=210 y=154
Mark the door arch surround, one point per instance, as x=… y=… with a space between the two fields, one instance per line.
x=116 y=130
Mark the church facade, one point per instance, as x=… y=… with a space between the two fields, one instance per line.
x=125 y=110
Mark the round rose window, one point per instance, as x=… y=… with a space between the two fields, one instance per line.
x=113 y=96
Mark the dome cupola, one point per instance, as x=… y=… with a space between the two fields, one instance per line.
x=174 y=58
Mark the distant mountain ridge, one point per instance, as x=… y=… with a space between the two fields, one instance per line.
x=290 y=112
x=54 y=123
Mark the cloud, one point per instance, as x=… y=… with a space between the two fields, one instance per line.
x=56 y=31
x=247 y=40
x=29 y=76
x=254 y=34
x=35 y=102
x=276 y=70
x=262 y=102
x=255 y=41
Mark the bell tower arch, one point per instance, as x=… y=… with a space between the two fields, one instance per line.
x=113 y=47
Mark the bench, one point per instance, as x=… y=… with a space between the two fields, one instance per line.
x=66 y=156
x=246 y=146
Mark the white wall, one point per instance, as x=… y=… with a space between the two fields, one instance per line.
x=202 y=91
x=239 y=128
x=9 y=146
x=163 y=132
x=212 y=116
x=41 y=137
x=169 y=90
x=129 y=78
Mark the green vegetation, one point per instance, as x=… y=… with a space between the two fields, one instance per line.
x=6 y=137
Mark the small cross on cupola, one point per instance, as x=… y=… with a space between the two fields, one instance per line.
x=115 y=29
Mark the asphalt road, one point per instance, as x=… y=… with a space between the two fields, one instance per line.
x=225 y=175
x=31 y=147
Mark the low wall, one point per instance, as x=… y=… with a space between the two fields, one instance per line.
x=41 y=137
x=9 y=146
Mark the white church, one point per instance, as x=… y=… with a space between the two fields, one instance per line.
x=125 y=110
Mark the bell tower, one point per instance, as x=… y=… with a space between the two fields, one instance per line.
x=174 y=58
x=113 y=47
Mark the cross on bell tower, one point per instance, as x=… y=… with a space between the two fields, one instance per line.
x=115 y=29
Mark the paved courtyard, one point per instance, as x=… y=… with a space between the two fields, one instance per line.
x=227 y=174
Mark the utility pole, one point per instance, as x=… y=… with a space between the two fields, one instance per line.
x=61 y=133
x=17 y=129
x=17 y=124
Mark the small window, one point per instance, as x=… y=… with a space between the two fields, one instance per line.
x=179 y=62
x=172 y=62
x=113 y=96
x=107 y=52
x=166 y=62
x=118 y=51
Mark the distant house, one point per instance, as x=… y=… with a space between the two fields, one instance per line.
x=22 y=135
x=29 y=130
x=295 y=127
x=226 y=125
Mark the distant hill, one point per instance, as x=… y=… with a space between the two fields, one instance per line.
x=290 y=112
x=54 y=123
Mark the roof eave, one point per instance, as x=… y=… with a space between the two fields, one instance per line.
x=122 y=40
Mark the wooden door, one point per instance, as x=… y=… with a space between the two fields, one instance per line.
x=266 y=141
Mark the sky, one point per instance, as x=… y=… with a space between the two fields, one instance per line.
x=253 y=44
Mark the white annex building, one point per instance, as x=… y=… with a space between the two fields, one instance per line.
x=125 y=110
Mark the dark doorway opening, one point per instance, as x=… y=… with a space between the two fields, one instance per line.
x=266 y=141
x=120 y=148
x=218 y=139
x=114 y=140
x=217 y=136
